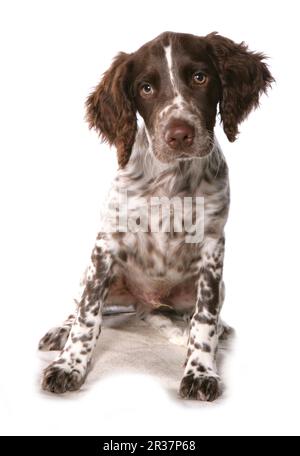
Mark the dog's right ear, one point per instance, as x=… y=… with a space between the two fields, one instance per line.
x=110 y=109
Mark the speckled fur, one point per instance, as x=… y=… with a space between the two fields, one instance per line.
x=148 y=269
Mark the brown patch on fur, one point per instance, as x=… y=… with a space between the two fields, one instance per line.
x=244 y=77
x=110 y=110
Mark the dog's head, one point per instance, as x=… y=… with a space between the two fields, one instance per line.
x=175 y=83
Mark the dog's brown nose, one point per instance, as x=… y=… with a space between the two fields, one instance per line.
x=179 y=134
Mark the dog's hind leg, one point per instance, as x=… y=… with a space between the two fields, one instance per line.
x=224 y=330
x=56 y=338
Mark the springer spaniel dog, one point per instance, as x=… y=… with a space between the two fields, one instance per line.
x=158 y=107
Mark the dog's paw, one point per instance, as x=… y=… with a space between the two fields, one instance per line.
x=226 y=332
x=60 y=379
x=203 y=388
x=55 y=339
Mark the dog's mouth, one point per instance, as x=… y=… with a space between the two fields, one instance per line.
x=167 y=157
x=191 y=156
x=200 y=151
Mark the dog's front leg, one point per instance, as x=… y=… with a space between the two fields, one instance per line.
x=69 y=370
x=201 y=380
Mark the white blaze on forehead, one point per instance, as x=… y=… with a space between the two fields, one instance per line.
x=178 y=99
x=168 y=52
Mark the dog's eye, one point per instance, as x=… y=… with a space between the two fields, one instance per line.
x=146 y=90
x=199 y=78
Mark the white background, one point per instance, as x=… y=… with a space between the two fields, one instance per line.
x=54 y=174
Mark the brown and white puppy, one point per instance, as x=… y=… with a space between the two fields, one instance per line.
x=175 y=83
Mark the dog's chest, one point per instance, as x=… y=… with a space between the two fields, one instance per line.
x=158 y=268
x=157 y=257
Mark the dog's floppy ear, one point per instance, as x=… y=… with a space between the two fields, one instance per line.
x=110 y=109
x=244 y=77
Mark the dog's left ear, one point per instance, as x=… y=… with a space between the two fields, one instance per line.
x=244 y=77
x=110 y=109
